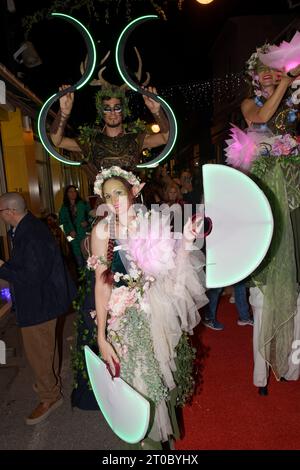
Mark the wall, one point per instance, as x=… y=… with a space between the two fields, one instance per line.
x=19 y=159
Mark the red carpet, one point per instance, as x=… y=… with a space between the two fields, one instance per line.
x=227 y=412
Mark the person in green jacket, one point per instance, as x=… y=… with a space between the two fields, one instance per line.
x=74 y=216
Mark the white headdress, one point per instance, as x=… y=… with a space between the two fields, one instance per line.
x=252 y=65
x=110 y=173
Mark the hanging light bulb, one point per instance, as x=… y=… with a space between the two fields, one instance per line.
x=204 y=2
x=155 y=128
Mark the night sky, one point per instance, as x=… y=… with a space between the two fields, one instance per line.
x=175 y=52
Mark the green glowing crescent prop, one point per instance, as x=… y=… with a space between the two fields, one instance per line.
x=242 y=225
x=41 y=124
x=126 y=411
x=120 y=48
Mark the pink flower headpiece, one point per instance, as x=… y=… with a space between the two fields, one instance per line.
x=254 y=60
x=286 y=56
x=252 y=65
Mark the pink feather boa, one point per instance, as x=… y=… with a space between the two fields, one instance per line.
x=241 y=149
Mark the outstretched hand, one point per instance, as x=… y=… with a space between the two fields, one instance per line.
x=151 y=104
x=192 y=228
x=66 y=101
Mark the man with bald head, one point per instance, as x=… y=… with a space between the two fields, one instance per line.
x=43 y=291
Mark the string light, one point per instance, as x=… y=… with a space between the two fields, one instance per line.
x=197 y=95
x=202 y=94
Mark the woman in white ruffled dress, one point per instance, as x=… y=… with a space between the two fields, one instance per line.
x=149 y=288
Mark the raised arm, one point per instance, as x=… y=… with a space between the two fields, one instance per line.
x=58 y=126
x=161 y=138
x=103 y=290
x=254 y=113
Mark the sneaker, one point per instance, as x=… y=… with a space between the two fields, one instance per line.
x=245 y=322
x=214 y=325
x=42 y=411
x=263 y=391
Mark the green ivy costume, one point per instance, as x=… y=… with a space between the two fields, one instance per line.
x=101 y=151
x=278 y=275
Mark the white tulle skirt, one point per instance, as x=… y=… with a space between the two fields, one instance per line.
x=174 y=302
x=170 y=308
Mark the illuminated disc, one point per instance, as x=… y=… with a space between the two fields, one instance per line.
x=242 y=225
x=120 y=61
x=126 y=411
x=91 y=62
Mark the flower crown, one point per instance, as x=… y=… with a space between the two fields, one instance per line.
x=110 y=173
x=252 y=65
x=253 y=62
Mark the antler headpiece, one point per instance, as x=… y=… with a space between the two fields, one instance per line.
x=109 y=90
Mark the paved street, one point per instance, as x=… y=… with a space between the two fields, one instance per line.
x=66 y=428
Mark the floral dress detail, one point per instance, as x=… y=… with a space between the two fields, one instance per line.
x=129 y=332
x=154 y=300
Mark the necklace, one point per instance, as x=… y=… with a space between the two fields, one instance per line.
x=125 y=229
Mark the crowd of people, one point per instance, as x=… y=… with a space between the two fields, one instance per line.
x=144 y=292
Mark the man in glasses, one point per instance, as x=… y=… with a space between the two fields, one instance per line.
x=111 y=144
x=43 y=291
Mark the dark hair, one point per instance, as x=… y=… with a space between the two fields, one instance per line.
x=53 y=215
x=108 y=275
x=66 y=200
x=248 y=90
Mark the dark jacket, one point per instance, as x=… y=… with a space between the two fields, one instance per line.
x=43 y=289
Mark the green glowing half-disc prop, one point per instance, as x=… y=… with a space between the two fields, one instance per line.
x=242 y=225
x=91 y=61
x=119 y=53
x=125 y=410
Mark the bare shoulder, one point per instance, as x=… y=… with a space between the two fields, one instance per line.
x=247 y=102
x=249 y=110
